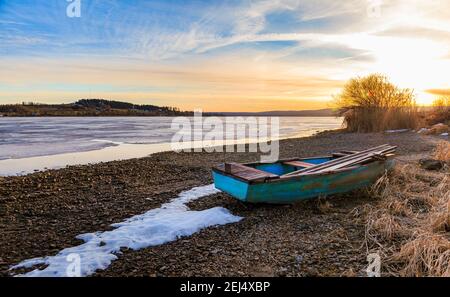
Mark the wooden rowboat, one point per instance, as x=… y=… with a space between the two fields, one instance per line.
x=289 y=181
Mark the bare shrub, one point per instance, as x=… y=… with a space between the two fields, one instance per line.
x=440 y=112
x=372 y=104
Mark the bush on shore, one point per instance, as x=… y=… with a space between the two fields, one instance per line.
x=440 y=112
x=373 y=104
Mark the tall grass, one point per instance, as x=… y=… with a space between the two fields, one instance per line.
x=442 y=152
x=373 y=104
x=377 y=119
x=440 y=113
x=410 y=225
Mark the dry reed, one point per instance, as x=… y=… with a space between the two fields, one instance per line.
x=372 y=103
x=442 y=152
x=428 y=254
x=410 y=225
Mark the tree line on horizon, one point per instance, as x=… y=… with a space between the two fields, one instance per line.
x=89 y=107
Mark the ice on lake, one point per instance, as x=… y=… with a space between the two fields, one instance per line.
x=28 y=144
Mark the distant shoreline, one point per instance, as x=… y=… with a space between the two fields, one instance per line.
x=161 y=116
x=287 y=114
x=88 y=107
x=110 y=108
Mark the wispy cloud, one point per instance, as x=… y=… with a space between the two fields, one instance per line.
x=298 y=51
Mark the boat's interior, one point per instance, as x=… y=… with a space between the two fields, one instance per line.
x=263 y=171
x=285 y=167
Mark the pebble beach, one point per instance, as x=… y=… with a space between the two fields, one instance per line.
x=42 y=213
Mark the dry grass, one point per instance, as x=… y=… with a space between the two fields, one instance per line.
x=442 y=152
x=440 y=112
x=379 y=119
x=386 y=226
x=324 y=206
x=439 y=218
x=410 y=225
x=428 y=254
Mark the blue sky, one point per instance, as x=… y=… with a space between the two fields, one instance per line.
x=279 y=54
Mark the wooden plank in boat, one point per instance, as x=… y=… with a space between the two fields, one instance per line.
x=345 y=153
x=350 y=152
x=382 y=149
x=245 y=172
x=338 y=155
x=298 y=164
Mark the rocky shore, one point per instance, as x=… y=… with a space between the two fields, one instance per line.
x=41 y=213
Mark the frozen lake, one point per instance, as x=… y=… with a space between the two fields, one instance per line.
x=28 y=144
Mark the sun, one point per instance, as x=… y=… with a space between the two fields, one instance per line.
x=417 y=64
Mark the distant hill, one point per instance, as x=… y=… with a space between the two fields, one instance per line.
x=289 y=113
x=89 y=107
x=102 y=107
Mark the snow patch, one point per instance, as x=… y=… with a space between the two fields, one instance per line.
x=423 y=130
x=155 y=227
x=397 y=131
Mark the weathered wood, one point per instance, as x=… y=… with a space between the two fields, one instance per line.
x=345 y=153
x=350 y=152
x=338 y=155
x=227 y=167
x=382 y=150
x=381 y=156
x=335 y=161
x=299 y=164
x=345 y=161
x=245 y=172
x=349 y=163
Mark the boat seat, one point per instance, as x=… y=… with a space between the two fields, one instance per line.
x=245 y=172
x=299 y=164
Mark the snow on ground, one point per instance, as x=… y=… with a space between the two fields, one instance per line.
x=155 y=227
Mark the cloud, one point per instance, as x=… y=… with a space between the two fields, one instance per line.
x=439 y=92
x=262 y=50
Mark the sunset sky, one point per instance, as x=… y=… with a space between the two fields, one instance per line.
x=220 y=55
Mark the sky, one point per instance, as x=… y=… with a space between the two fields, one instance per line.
x=219 y=55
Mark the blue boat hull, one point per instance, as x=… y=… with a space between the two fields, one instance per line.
x=293 y=189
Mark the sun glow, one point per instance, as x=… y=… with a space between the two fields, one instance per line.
x=415 y=64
